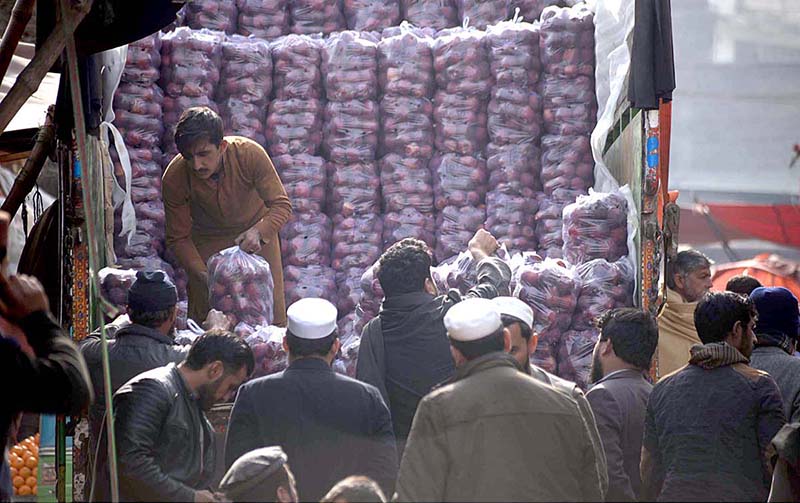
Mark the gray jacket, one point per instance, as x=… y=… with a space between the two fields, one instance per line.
x=619 y=402
x=785 y=369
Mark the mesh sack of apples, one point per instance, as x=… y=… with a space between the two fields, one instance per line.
x=245 y=86
x=406 y=182
x=551 y=289
x=549 y=222
x=306 y=240
x=408 y=223
x=217 y=15
x=460 y=123
x=435 y=14
x=511 y=218
x=304 y=177
x=575 y=355
x=190 y=62
x=296 y=60
x=350 y=67
x=309 y=281
x=604 y=286
x=596 y=226
x=143 y=62
x=482 y=13
x=266 y=19
x=567 y=41
x=240 y=283
x=531 y=10
x=455 y=226
x=294 y=126
x=267 y=345
x=114 y=285
x=371 y=15
x=350 y=327
x=353 y=189
x=357 y=241
x=138 y=114
x=348 y=283
x=351 y=131
x=407 y=126
x=405 y=63
x=371 y=293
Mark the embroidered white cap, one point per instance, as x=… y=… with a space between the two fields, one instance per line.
x=472 y=319
x=512 y=306
x=311 y=318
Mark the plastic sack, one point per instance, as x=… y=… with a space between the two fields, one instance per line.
x=190 y=62
x=514 y=170
x=182 y=316
x=461 y=62
x=306 y=240
x=461 y=123
x=405 y=64
x=114 y=285
x=596 y=226
x=511 y=219
x=604 y=286
x=348 y=283
x=316 y=16
x=570 y=107
x=217 y=15
x=567 y=41
x=267 y=19
x=357 y=241
x=240 y=283
x=351 y=131
x=455 y=226
x=406 y=182
x=294 y=126
x=519 y=260
x=296 y=61
x=143 y=61
x=350 y=328
x=482 y=13
x=549 y=221
x=408 y=223
x=138 y=114
x=575 y=356
x=371 y=293
x=551 y=290
x=406 y=126
x=531 y=10
x=567 y=163
x=350 y=67
x=353 y=189
x=309 y=281
x=436 y=14
x=371 y=15
x=305 y=179
x=267 y=345
x=458 y=180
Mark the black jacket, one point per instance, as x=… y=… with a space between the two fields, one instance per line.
x=165 y=447
x=134 y=350
x=330 y=426
x=54 y=382
x=404 y=350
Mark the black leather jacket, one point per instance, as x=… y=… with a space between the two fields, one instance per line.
x=164 y=441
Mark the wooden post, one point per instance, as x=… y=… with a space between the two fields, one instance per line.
x=20 y=15
x=23 y=184
x=29 y=79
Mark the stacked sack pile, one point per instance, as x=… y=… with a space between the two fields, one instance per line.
x=570 y=110
x=350 y=69
x=514 y=120
x=266 y=19
x=464 y=81
x=294 y=140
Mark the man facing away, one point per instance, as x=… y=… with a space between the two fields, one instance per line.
x=777 y=330
x=404 y=350
x=330 y=426
x=493 y=433
x=622 y=355
x=517 y=318
x=688 y=279
x=709 y=424
x=260 y=475
x=742 y=284
x=165 y=443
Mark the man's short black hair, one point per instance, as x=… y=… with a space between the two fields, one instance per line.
x=150 y=319
x=355 y=488
x=221 y=345
x=523 y=327
x=195 y=125
x=743 y=285
x=301 y=348
x=717 y=313
x=685 y=263
x=485 y=345
x=633 y=333
x=404 y=267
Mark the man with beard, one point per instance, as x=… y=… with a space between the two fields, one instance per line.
x=708 y=425
x=517 y=318
x=165 y=443
x=688 y=279
x=622 y=354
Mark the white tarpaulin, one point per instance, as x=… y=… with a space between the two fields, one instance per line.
x=32 y=113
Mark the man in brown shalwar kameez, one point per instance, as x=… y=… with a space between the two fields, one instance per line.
x=220 y=192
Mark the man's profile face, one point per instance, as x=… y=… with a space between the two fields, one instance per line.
x=519 y=346
x=205 y=158
x=695 y=284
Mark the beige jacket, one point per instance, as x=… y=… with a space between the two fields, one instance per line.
x=496 y=434
x=676 y=333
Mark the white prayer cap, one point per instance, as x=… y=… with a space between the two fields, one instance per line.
x=472 y=319
x=512 y=306
x=311 y=318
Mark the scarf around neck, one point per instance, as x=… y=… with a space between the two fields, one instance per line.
x=716 y=355
x=775 y=339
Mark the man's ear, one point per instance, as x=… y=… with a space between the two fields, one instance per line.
x=430 y=286
x=533 y=343
x=215 y=370
x=679 y=280
x=335 y=347
x=223 y=146
x=737 y=333
x=608 y=348
x=506 y=340
x=285 y=345
x=458 y=357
